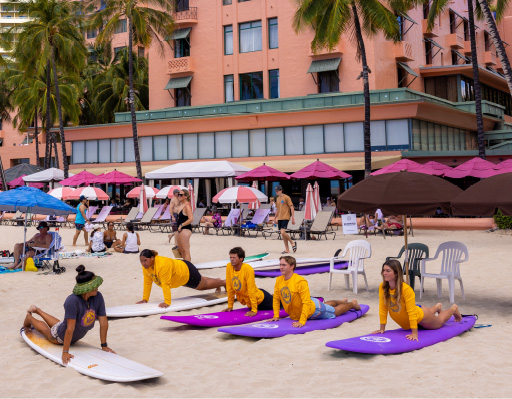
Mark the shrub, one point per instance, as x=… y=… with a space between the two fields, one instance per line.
x=502 y=221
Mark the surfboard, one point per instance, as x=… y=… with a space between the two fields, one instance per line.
x=260 y=264
x=150 y=308
x=90 y=360
x=222 y=263
x=394 y=341
x=274 y=329
x=304 y=270
x=220 y=319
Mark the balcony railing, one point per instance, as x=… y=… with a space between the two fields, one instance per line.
x=490 y=58
x=337 y=50
x=189 y=15
x=455 y=41
x=179 y=65
x=403 y=51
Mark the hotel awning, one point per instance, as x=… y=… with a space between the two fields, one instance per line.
x=408 y=18
x=179 y=34
x=462 y=19
x=427 y=39
x=331 y=64
x=409 y=71
x=462 y=57
x=178 y=83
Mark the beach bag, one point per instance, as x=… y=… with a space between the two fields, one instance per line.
x=176 y=252
x=30 y=266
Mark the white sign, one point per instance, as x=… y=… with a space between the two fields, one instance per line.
x=349 y=223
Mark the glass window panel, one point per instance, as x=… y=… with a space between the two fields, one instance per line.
x=273 y=41
x=91 y=151
x=274 y=83
x=275 y=141
x=334 y=138
x=129 y=152
x=206 y=145
x=78 y=151
x=257 y=142
x=451 y=144
x=190 y=146
x=294 y=140
x=251 y=86
x=416 y=135
x=444 y=138
x=431 y=136
x=397 y=134
x=378 y=135
x=228 y=40
x=174 y=146
x=314 y=139
x=240 y=141
x=223 y=144
x=437 y=137
x=424 y=136
x=117 y=150
x=146 y=148
x=104 y=150
x=229 y=88
x=160 y=148
x=250 y=36
x=354 y=138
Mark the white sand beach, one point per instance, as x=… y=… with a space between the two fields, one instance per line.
x=205 y=363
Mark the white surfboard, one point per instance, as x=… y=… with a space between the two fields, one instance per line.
x=90 y=360
x=223 y=262
x=150 y=308
x=275 y=262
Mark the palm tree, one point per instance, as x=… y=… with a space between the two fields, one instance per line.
x=51 y=36
x=332 y=18
x=148 y=21
x=485 y=11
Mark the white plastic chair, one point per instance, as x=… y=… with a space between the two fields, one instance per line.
x=451 y=253
x=358 y=251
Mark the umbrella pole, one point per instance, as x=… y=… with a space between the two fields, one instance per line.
x=24 y=241
x=406 y=259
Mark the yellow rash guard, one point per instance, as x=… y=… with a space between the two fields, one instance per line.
x=167 y=273
x=407 y=315
x=243 y=285
x=295 y=297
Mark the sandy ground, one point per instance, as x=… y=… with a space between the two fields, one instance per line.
x=205 y=363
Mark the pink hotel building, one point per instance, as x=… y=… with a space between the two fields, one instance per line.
x=236 y=82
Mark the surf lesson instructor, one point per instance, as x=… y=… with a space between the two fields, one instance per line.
x=81 y=309
x=170 y=273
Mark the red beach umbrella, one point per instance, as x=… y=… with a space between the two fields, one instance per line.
x=192 y=197
x=166 y=192
x=61 y=192
x=403 y=164
x=309 y=206
x=256 y=204
x=476 y=167
x=319 y=170
x=116 y=177
x=83 y=177
x=263 y=173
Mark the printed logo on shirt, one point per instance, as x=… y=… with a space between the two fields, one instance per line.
x=237 y=284
x=286 y=294
x=393 y=306
x=155 y=278
x=89 y=317
x=375 y=339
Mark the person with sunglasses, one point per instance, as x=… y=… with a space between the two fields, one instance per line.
x=110 y=236
x=185 y=219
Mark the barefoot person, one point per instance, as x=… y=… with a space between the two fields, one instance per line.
x=81 y=309
x=173 y=211
x=96 y=243
x=240 y=283
x=110 y=236
x=292 y=291
x=185 y=219
x=284 y=211
x=397 y=298
x=80 y=220
x=170 y=273
x=41 y=240
x=130 y=243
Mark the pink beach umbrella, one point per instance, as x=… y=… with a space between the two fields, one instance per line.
x=309 y=206
x=135 y=193
x=316 y=197
x=241 y=194
x=166 y=192
x=83 y=177
x=192 y=197
x=433 y=168
x=91 y=193
x=116 y=177
x=476 y=167
x=403 y=164
x=256 y=204
x=319 y=170
x=263 y=173
x=61 y=192
x=143 y=202
x=20 y=182
x=507 y=164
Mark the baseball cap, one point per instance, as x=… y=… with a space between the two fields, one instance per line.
x=279 y=188
x=82 y=197
x=42 y=225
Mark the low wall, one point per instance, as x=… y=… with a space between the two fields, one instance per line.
x=448 y=223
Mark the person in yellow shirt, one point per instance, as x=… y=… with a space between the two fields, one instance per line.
x=292 y=291
x=240 y=282
x=172 y=273
x=398 y=299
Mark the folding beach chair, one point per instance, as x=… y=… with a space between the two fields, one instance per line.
x=132 y=216
x=197 y=215
x=293 y=228
x=44 y=256
x=320 y=225
x=231 y=220
x=162 y=222
x=102 y=216
x=146 y=219
x=91 y=211
x=257 y=223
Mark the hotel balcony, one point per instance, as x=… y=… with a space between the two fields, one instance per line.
x=179 y=65
x=467 y=46
x=403 y=51
x=490 y=58
x=455 y=41
x=433 y=33
x=337 y=50
x=186 y=16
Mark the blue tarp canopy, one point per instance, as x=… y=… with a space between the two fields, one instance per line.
x=29 y=199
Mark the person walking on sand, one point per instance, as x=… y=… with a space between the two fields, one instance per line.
x=173 y=211
x=185 y=219
x=81 y=309
x=80 y=220
x=292 y=291
x=284 y=211
x=172 y=273
x=398 y=298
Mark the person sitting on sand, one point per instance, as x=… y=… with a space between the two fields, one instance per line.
x=292 y=291
x=240 y=282
x=81 y=309
x=130 y=243
x=110 y=236
x=96 y=243
x=398 y=298
x=41 y=240
x=172 y=273
x=215 y=221
x=393 y=222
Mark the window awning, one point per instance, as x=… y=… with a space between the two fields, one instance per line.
x=458 y=15
x=408 y=69
x=427 y=39
x=462 y=57
x=331 y=64
x=179 y=34
x=178 y=83
x=408 y=18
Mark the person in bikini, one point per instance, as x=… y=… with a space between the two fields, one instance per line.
x=185 y=219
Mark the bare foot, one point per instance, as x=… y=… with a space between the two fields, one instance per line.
x=457 y=315
x=355 y=304
x=32 y=309
x=27 y=325
x=439 y=307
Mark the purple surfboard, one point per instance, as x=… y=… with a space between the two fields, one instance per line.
x=220 y=319
x=394 y=341
x=274 y=329
x=303 y=270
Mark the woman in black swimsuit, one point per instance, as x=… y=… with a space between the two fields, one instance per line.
x=185 y=220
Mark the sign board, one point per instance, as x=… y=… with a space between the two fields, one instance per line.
x=349 y=223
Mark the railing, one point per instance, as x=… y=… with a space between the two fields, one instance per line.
x=455 y=41
x=179 y=65
x=191 y=13
x=338 y=49
x=403 y=51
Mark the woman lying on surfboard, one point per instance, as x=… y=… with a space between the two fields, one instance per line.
x=397 y=298
x=81 y=309
x=292 y=291
x=172 y=273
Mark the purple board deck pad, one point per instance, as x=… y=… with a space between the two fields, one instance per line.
x=302 y=270
x=220 y=319
x=394 y=341
x=274 y=329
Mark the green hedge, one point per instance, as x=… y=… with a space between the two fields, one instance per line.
x=503 y=222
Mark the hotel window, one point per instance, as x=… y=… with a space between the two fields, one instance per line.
x=228 y=40
x=226 y=2
x=181 y=48
x=428 y=53
x=183 y=97
x=426 y=10
x=328 y=82
x=453 y=24
x=251 y=86
x=273 y=79
x=182 y=5
x=117 y=50
x=250 y=36
x=229 y=89
x=121 y=26
x=273 y=41
x=466 y=30
x=91 y=34
x=243 y=1
x=488 y=41
x=140 y=52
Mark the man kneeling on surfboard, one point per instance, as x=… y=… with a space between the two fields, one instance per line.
x=172 y=273
x=398 y=298
x=80 y=312
x=292 y=291
x=240 y=282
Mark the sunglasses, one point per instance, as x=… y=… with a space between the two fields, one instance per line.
x=180 y=195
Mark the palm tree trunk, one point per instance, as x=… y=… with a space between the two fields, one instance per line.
x=366 y=92
x=48 y=137
x=476 y=82
x=498 y=44
x=36 y=138
x=65 y=165
x=54 y=141
x=132 y=101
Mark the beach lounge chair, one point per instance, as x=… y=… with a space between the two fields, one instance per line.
x=333 y=210
x=131 y=217
x=230 y=221
x=321 y=224
x=162 y=223
x=356 y=251
x=102 y=216
x=146 y=219
x=452 y=253
x=44 y=256
x=197 y=215
x=18 y=217
x=293 y=228
x=415 y=253
x=258 y=221
x=91 y=211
